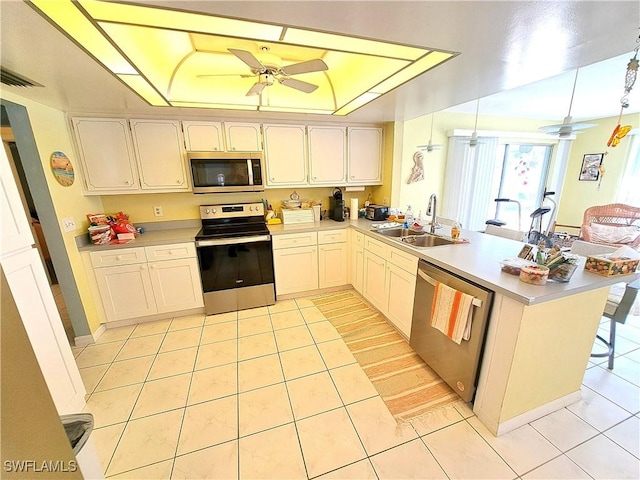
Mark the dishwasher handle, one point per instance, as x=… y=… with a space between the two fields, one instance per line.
x=476 y=301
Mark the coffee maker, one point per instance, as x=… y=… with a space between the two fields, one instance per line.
x=336 y=206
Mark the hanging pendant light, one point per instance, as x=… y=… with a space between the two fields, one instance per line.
x=473 y=141
x=430 y=147
x=567 y=128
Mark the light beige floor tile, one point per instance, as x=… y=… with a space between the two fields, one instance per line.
x=460 y=441
x=602 y=458
x=283 y=306
x=336 y=354
x=352 y=383
x=221 y=318
x=564 y=429
x=301 y=361
x=465 y=409
x=259 y=372
x=112 y=406
x=254 y=325
x=614 y=388
x=256 y=346
x=173 y=363
x=253 y=312
x=126 y=372
x=558 y=469
x=410 y=460
x=140 y=346
x=217 y=462
x=627 y=435
x=91 y=376
x=162 y=395
x=147 y=440
x=627 y=369
x=93 y=355
x=157 y=471
x=376 y=427
x=635 y=356
x=216 y=354
x=436 y=419
x=189 y=337
x=115 y=334
x=76 y=351
x=294 y=337
x=356 y=471
x=106 y=439
x=188 y=321
x=304 y=302
x=212 y=383
x=151 y=328
x=523 y=449
x=313 y=394
x=597 y=411
x=207 y=424
x=323 y=332
x=219 y=332
x=273 y=454
x=328 y=442
x=312 y=315
x=263 y=408
x=291 y=318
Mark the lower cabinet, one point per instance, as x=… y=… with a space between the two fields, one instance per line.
x=373 y=285
x=132 y=283
x=332 y=258
x=296 y=269
x=400 y=288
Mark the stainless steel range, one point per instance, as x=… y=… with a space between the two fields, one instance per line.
x=235 y=256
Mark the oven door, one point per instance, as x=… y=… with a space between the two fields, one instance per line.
x=237 y=273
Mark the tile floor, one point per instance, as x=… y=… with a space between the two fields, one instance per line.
x=275 y=393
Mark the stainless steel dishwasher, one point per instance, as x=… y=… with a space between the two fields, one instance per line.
x=458 y=365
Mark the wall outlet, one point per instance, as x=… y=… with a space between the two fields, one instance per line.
x=157 y=211
x=69 y=224
x=385 y=201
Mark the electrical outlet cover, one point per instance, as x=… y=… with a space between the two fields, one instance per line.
x=69 y=224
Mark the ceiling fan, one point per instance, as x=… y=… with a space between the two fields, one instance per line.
x=473 y=140
x=269 y=71
x=566 y=128
x=430 y=147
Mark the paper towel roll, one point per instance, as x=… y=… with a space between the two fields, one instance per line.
x=353 y=211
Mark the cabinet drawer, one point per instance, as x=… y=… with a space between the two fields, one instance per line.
x=358 y=239
x=332 y=236
x=295 y=240
x=173 y=251
x=401 y=259
x=375 y=246
x=121 y=256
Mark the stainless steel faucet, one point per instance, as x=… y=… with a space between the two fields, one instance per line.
x=431 y=210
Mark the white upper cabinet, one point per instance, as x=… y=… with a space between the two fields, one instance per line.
x=327 y=155
x=203 y=136
x=161 y=157
x=15 y=232
x=364 y=157
x=106 y=155
x=242 y=137
x=285 y=155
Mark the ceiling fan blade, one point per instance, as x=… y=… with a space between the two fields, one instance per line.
x=213 y=75
x=430 y=147
x=248 y=58
x=256 y=89
x=298 y=85
x=307 y=66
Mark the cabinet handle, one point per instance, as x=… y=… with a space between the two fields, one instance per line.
x=352 y=177
x=273 y=179
x=127 y=182
x=152 y=266
x=143 y=267
x=170 y=252
x=315 y=178
x=178 y=181
x=118 y=257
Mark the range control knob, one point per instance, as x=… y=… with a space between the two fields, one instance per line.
x=215 y=211
x=207 y=211
x=251 y=208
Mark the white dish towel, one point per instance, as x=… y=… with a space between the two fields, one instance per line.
x=451 y=312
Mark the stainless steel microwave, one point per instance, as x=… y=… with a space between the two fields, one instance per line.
x=216 y=172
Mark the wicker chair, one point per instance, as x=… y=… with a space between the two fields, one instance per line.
x=612 y=215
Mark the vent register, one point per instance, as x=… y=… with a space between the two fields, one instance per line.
x=7 y=77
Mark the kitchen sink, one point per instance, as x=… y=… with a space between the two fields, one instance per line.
x=399 y=232
x=426 y=240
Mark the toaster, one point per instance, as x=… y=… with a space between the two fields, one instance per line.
x=376 y=212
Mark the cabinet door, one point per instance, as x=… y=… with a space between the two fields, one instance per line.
x=285 y=155
x=243 y=137
x=400 y=290
x=373 y=282
x=176 y=284
x=126 y=291
x=357 y=268
x=106 y=155
x=332 y=265
x=364 y=156
x=16 y=233
x=203 y=136
x=161 y=159
x=296 y=269
x=327 y=155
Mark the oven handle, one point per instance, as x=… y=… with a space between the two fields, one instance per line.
x=232 y=241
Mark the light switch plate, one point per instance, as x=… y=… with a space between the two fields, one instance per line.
x=69 y=224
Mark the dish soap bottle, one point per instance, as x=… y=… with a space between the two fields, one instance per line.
x=455 y=231
x=408 y=217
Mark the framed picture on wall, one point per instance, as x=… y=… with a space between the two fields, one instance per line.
x=591 y=163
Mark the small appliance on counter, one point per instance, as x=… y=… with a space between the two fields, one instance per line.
x=336 y=206
x=376 y=212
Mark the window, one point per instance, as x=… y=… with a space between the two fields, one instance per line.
x=628 y=192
